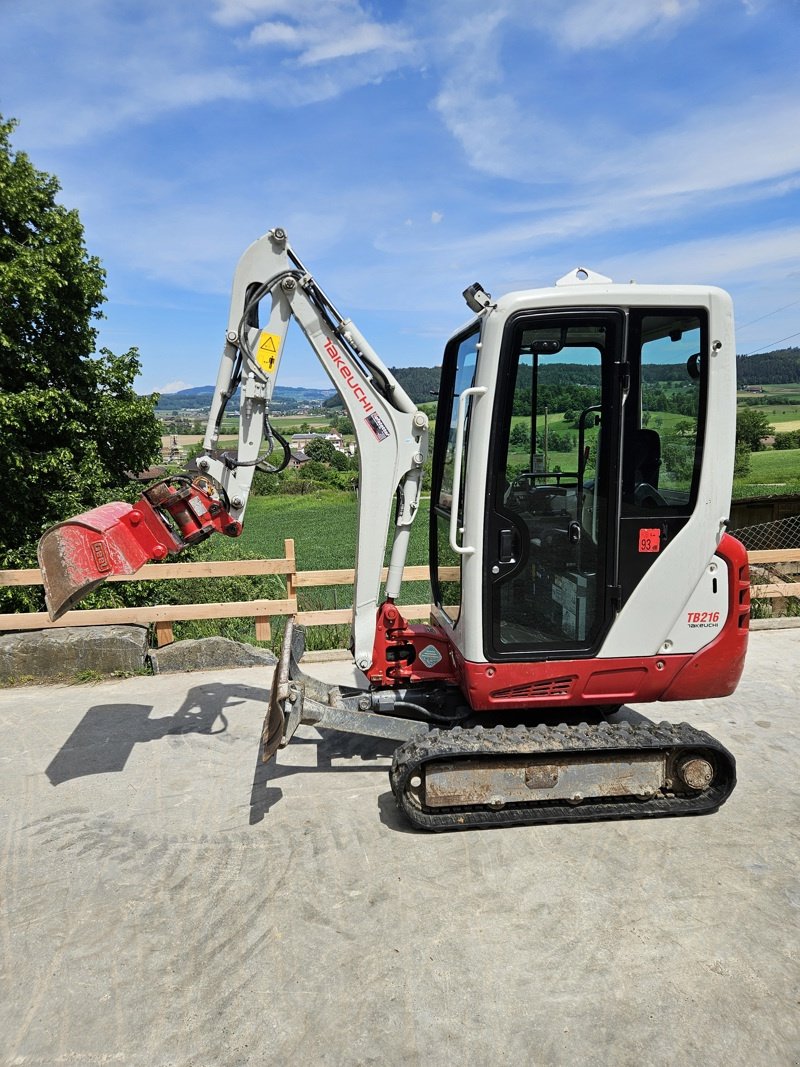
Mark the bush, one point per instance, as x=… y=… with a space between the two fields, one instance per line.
x=742 y=461
x=791 y=439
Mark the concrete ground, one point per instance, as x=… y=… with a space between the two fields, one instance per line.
x=166 y=901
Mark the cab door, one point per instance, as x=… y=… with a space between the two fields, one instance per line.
x=550 y=551
x=459 y=367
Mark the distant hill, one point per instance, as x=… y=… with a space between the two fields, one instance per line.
x=770 y=368
x=781 y=367
x=422 y=383
x=200 y=397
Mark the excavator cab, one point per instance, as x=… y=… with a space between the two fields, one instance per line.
x=582 y=493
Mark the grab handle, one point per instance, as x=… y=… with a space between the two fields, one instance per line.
x=461 y=421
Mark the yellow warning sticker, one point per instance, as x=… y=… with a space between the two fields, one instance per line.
x=268 y=350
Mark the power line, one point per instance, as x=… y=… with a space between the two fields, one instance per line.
x=763 y=351
x=752 y=322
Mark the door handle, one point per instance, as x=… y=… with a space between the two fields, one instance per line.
x=574 y=533
x=507 y=553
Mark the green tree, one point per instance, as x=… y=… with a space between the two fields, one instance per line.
x=520 y=437
x=320 y=450
x=751 y=426
x=742 y=461
x=344 y=424
x=71 y=424
x=560 y=441
x=315 y=471
x=677 y=458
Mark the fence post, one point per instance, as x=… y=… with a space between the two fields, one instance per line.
x=291 y=577
x=164 y=635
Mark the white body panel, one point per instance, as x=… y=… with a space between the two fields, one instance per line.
x=655 y=609
x=704 y=613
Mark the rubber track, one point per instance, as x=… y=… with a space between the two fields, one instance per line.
x=541 y=740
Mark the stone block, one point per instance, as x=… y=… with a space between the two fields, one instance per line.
x=67 y=651
x=208 y=654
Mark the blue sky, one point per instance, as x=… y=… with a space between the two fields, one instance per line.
x=409 y=149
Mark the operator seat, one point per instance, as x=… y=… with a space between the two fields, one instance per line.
x=641 y=465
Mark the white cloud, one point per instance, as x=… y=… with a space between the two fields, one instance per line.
x=436 y=217
x=277 y=33
x=237 y=12
x=108 y=69
x=742 y=142
x=318 y=33
x=602 y=23
x=598 y=164
x=358 y=40
x=771 y=252
x=101 y=69
x=174 y=387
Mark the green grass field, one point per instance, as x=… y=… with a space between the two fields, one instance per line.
x=790 y=391
x=772 y=472
x=323 y=527
x=783 y=418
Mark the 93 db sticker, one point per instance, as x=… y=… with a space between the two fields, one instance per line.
x=650 y=540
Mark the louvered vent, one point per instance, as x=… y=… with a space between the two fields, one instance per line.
x=548 y=688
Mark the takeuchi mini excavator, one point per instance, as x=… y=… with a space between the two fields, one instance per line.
x=579 y=559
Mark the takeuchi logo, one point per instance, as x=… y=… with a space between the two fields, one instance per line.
x=339 y=361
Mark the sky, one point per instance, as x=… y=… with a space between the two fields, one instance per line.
x=410 y=148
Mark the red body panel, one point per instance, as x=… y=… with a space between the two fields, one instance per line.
x=715 y=670
x=404 y=653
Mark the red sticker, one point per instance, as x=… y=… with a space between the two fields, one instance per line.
x=650 y=540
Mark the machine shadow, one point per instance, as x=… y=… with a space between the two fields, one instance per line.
x=104 y=739
x=330 y=746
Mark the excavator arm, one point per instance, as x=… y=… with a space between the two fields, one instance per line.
x=271 y=287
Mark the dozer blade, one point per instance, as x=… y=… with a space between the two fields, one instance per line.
x=272 y=732
x=298 y=698
x=78 y=555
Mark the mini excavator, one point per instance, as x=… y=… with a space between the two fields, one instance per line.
x=579 y=558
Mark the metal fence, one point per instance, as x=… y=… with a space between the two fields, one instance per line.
x=767 y=536
x=774 y=553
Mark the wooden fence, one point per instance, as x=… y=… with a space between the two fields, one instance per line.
x=162 y=616
x=778 y=588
